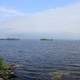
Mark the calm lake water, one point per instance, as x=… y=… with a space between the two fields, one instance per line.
x=37 y=59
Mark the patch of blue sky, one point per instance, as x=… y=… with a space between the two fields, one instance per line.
x=31 y=6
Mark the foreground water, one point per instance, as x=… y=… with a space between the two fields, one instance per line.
x=37 y=59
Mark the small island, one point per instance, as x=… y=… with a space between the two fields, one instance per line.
x=9 y=39
x=45 y=39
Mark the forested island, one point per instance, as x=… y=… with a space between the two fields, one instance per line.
x=45 y=39
x=9 y=39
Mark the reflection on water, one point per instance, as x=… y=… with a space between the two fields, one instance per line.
x=37 y=59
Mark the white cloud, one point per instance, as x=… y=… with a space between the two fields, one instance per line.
x=6 y=12
x=64 y=21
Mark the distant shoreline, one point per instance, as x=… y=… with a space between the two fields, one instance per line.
x=9 y=39
x=46 y=39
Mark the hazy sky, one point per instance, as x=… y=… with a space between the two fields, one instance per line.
x=40 y=18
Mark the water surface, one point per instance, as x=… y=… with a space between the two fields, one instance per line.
x=37 y=59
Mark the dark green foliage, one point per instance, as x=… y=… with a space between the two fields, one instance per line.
x=4 y=70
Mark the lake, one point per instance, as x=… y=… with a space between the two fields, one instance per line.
x=37 y=59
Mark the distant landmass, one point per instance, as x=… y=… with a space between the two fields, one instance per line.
x=44 y=39
x=9 y=39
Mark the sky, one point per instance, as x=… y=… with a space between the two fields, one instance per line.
x=58 y=19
